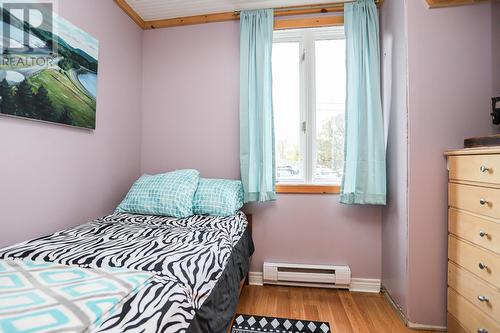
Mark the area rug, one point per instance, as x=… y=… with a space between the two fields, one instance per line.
x=249 y=323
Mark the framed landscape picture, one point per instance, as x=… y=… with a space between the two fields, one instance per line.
x=48 y=68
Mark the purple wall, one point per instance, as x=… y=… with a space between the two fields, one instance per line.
x=450 y=84
x=52 y=176
x=395 y=214
x=191 y=99
x=495 y=17
x=448 y=88
x=190 y=119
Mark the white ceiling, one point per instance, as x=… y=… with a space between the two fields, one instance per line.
x=162 y=9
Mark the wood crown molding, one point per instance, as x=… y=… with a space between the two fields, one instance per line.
x=232 y=16
x=191 y=20
x=448 y=3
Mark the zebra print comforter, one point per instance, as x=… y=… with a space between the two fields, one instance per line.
x=188 y=258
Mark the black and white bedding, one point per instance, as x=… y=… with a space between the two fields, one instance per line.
x=195 y=264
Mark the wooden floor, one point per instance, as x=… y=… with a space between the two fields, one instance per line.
x=345 y=311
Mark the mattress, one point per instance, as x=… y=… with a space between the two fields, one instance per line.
x=191 y=269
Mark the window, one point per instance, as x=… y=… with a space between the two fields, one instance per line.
x=309 y=102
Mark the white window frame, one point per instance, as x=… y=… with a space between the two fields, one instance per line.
x=306 y=39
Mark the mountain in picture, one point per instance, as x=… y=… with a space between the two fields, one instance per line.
x=53 y=77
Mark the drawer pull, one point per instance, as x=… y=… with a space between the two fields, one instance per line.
x=483 y=201
x=482 y=330
x=482 y=266
x=483 y=234
x=483 y=298
x=484 y=168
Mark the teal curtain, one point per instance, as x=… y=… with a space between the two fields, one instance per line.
x=256 y=105
x=364 y=180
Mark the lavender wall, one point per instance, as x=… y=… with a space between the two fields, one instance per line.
x=450 y=84
x=53 y=177
x=495 y=17
x=191 y=99
x=190 y=119
x=395 y=214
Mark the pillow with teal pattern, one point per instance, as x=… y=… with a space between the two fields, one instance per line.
x=166 y=194
x=219 y=197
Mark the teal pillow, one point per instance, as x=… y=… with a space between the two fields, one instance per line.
x=167 y=194
x=220 y=197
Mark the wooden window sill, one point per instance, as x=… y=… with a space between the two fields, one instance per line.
x=308 y=189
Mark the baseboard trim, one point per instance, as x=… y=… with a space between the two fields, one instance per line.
x=365 y=285
x=255 y=279
x=357 y=284
x=404 y=319
x=423 y=327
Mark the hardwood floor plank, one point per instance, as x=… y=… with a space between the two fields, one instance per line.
x=386 y=315
x=296 y=298
x=368 y=310
x=347 y=312
x=339 y=321
x=359 y=323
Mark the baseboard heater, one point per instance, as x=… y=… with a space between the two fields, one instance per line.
x=323 y=276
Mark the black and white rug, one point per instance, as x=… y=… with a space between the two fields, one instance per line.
x=249 y=323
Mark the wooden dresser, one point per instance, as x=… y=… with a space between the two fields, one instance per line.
x=474 y=240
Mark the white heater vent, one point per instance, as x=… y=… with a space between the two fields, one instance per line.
x=324 y=276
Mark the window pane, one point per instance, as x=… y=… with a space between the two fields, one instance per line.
x=330 y=109
x=286 y=103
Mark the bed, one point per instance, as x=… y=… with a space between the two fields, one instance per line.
x=128 y=273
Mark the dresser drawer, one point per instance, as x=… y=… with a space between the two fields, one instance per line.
x=470 y=317
x=476 y=168
x=476 y=199
x=454 y=326
x=472 y=258
x=475 y=229
x=482 y=295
